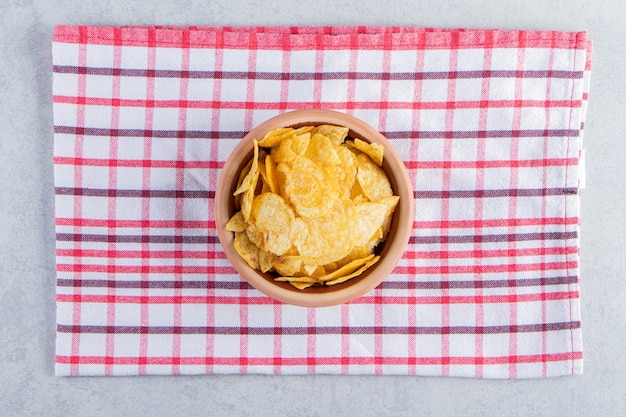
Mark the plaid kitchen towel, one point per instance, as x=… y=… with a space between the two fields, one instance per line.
x=489 y=124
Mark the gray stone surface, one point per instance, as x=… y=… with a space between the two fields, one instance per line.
x=27 y=312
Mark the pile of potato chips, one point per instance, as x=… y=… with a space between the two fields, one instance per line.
x=313 y=204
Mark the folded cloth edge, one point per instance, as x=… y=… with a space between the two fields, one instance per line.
x=308 y=36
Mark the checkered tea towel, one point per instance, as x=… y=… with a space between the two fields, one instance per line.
x=488 y=122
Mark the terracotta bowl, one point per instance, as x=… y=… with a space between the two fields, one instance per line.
x=390 y=251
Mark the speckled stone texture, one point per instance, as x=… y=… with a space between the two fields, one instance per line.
x=27 y=275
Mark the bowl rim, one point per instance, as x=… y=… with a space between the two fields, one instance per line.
x=393 y=250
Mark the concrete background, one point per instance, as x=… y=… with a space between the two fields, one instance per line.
x=27 y=311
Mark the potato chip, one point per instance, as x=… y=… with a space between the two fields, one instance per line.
x=330 y=237
x=270 y=174
x=345 y=172
x=276 y=136
x=262 y=169
x=370 y=217
x=273 y=138
x=265 y=187
x=358 y=252
x=248 y=185
x=372 y=179
x=248 y=251
x=380 y=235
x=321 y=151
x=265 y=260
x=310 y=195
x=270 y=223
x=287 y=265
x=237 y=223
x=313 y=270
x=355 y=273
x=333 y=266
x=302 y=279
x=336 y=134
x=247 y=181
x=284 y=152
x=303 y=129
x=347 y=269
x=302 y=285
x=373 y=150
x=391 y=202
x=300 y=143
x=290 y=148
x=312 y=206
x=282 y=171
x=359 y=198
x=356 y=193
x=248 y=196
x=242 y=175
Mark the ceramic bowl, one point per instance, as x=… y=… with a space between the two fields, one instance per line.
x=390 y=251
